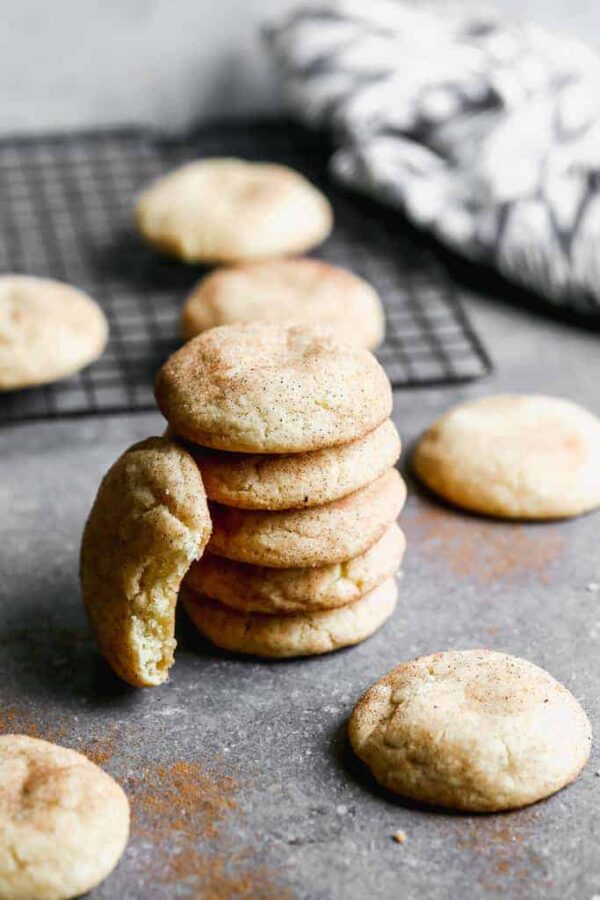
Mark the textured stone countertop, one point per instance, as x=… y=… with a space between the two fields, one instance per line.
x=239 y=772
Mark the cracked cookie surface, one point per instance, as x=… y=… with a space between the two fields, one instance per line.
x=288 y=636
x=149 y=522
x=64 y=823
x=288 y=292
x=262 y=388
x=514 y=456
x=297 y=480
x=289 y=591
x=317 y=536
x=471 y=730
x=230 y=210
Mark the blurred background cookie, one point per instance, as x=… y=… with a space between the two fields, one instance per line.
x=515 y=456
x=231 y=210
x=48 y=330
x=288 y=292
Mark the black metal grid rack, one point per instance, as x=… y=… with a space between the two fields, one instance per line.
x=66 y=212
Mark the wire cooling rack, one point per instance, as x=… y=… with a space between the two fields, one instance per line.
x=66 y=213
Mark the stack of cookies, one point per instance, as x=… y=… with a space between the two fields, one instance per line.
x=292 y=435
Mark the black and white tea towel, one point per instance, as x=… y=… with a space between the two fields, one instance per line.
x=483 y=132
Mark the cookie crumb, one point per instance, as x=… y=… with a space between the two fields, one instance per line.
x=399 y=837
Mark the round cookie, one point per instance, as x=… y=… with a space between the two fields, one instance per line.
x=297 y=480
x=266 y=389
x=286 y=636
x=64 y=823
x=471 y=730
x=149 y=522
x=291 y=591
x=288 y=292
x=230 y=210
x=48 y=330
x=316 y=536
x=514 y=456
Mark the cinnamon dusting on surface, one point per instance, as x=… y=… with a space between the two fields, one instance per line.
x=99 y=749
x=502 y=843
x=184 y=797
x=102 y=748
x=182 y=811
x=483 y=550
x=182 y=816
x=15 y=720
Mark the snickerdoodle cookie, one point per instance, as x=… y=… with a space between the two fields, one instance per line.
x=149 y=522
x=289 y=591
x=288 y=292
x=299 y=635
x=514 y=456
x=230 y=210
x=48 y=330
x=262 y=388
x=285 y=481
x=316 y=536
x=471 y=730
x=64 y=823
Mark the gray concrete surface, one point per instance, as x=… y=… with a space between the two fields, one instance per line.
x=282 y=810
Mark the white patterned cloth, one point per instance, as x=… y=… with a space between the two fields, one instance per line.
x=485 y=133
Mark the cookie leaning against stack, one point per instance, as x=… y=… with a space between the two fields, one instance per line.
x=291 y=434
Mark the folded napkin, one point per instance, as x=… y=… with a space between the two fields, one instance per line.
x=483 y=132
